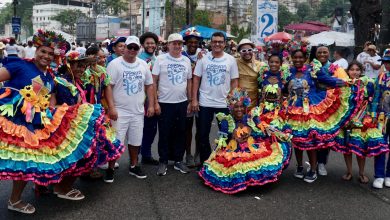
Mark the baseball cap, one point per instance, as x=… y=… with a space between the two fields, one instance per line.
x=133 y=40
x=175 y=37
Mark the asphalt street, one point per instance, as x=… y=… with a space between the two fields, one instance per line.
x=184 y=196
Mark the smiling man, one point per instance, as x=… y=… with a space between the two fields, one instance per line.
x=214 y=75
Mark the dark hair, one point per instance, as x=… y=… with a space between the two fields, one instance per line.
x=218 y=34
x=276 y=55
x=340 y=52
x=148 y=35
x=299 y=50
x=30 y=43
x=354 y=62
x=12 y=41
x=92 y=50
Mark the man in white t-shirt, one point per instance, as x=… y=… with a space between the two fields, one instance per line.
x=338 y=55
x=30 y=50
x=217 y=74
x=130 y=78
x=172 y=75
x=371 y=62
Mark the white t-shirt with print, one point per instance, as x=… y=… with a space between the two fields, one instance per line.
x=129 y=80
x=216 y=74
x=343 y=63
x=173 y=75
x=369 y=71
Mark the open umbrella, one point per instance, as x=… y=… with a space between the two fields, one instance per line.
x=279 y=36
x=309 y=26
x=206 y=32
x=332 y=37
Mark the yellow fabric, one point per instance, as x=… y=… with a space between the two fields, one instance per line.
x=249 y=72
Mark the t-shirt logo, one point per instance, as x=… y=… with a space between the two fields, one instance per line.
x=176 y=73
x=132 y=82
x=216 y=74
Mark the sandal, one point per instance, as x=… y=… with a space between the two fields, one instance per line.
x=73 y=195
x=363 y=179
x=27 y=209
x=347 y=177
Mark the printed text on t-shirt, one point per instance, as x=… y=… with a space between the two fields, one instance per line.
x=132 y=82
x=216 y=74
x=176 y=73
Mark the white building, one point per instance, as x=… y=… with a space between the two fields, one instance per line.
x=45 y=10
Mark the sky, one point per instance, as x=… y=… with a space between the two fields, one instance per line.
x=3 y=2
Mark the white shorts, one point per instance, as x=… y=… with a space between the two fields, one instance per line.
x=129 y=127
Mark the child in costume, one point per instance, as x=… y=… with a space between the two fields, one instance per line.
x=381 y=111
x=39 y=143
x=361 y=136
x=249 y=152
x=315 y=115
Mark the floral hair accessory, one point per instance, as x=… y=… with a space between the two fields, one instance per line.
x=191 y=32
x=238 y=95
x=303 y=45
x=49 y=39
x=75 y=56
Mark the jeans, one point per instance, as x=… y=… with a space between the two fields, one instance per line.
x=206 y=116
x=171 y=129
x=150 y=130
x=380 y=160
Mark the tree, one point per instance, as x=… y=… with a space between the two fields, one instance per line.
x=114 y=7
x=68 y=19
x=365 y=14
x=23 y=10
x=285 y=17
x=303 y=11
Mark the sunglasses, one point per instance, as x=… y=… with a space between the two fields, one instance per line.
x=246 y=51
x=132 y=47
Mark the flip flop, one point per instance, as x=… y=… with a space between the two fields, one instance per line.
x=27 y=209
x=77 y=195
x=347 y=177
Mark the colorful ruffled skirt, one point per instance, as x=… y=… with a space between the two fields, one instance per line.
x=367 y=141
x=328 y=112
x=253 y=163
x=73 y=143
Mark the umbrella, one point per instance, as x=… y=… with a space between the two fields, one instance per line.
x=206 y=32
x=310 y=26
x=279 y=36
x=332 y=37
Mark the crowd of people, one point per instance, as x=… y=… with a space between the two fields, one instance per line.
x=70 y=111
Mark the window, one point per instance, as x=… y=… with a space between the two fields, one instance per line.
x=147 y=13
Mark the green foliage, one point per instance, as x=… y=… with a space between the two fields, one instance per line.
x=285 y=17
x=114 y=7
x=303 y=11
x=240 y=33
x=23 y=10
x=68 y=19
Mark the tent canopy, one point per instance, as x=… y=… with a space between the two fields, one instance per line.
x=310 y=26
x=206 y=32
x=332 y=37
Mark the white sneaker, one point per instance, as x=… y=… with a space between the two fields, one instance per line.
x=322 y=170
x=105 y=166
x=378 y=183
x=387 y=181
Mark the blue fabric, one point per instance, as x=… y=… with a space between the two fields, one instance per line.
x=111 y=58
x=149 y=133
x=205 y=32
x=63 y=94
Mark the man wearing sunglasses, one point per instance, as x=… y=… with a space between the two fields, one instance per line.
x=249 y=69
x=130 y=78
x=214 y=75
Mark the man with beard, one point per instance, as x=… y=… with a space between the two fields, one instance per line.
x=149 y=43
x=248 y=68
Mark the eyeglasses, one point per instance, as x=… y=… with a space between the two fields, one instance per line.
x=131 y=47
x=246 y=51
x=218 y=42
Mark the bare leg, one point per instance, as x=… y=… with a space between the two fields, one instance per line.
x=348 y=163
x=65 y=185
x=17 y=190
x=133 y=153
x=299 y=157
x=361 y=163
x=312 y=154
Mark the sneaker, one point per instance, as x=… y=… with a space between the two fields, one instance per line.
x=190 y=161
x=137 y=172
x=162 y=169
x=322 y=170
x=105 y=166
x=149 y=161
x=181 y=167
x=109 y=177
x=387 y=181
x=310 y=177
x=378 y=183
x=299 y=173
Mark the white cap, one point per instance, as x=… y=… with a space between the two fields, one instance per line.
x=245 y=41
x=175 y=37
x=132 y=40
